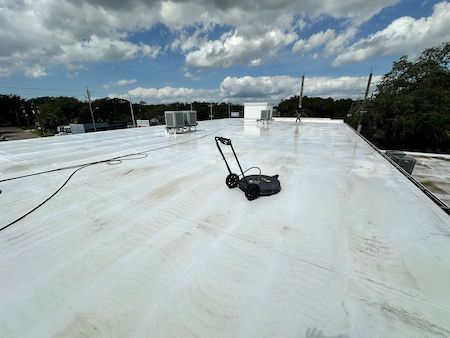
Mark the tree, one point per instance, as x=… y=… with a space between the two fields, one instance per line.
x=12 y=110
x=316 y=107
x=411 y=109
x=54 y=111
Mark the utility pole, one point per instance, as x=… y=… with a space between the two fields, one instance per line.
x=191 y=105
x=88 y=96
x=368 y=86
x=363 y=109
x=210 y=110
x=300 y=98
x=229 y=111
x=28 y=121
x=17 y=116
x=18 y=120
x=132 y=114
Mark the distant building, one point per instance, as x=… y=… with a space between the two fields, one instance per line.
x=77 y=128
x=143 y=123
x=255 y=110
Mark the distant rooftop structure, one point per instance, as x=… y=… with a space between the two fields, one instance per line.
x=252 y=110
x=159 y=246
x=80 y=128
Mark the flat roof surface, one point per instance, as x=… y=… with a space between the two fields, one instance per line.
x=159 y=246
x=433 y=171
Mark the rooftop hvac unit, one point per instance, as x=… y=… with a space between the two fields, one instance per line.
x=190 y=118
x=174 y=119
x=265 y=114
x=407 y=162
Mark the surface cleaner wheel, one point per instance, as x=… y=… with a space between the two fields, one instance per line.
x=232 y=181
x=252 y=192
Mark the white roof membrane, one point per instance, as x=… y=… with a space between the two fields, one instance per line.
x=159 y=246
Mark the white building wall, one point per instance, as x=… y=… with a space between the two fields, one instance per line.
x=252 y=110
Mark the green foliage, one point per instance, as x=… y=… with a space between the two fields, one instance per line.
x=411 y=109
x=316 y=107
x=51 y=112
x=54 y=111
x=11 y=110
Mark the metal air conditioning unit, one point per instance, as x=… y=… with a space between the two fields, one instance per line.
x=265 y=115
x=190 y=118
x=174 y=119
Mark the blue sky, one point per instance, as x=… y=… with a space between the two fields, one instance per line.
x=164 y=51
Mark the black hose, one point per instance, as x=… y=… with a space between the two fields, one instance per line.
x=110 y=161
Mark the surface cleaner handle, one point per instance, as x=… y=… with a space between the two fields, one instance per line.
x=223 y=140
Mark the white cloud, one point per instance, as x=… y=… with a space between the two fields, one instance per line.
x=314 y=41
x=123 y=82
x=187 y=42
x=233 y=48
x=247 y=88
x=35 y=72
x=276 y=88
x=50 y=33
x=189 y=75
x=170 y=94
x=255 y=62
x=300 y=24
x=331 y=41
x=339 y=42
x=95 y=49
x=126 y=82
x=403 y=36
x=53 y=32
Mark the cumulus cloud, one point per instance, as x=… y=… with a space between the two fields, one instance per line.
x=95 y=49
x=340 y=41
x=248 y=88
x=404 y=35
x=189 y=75
x=314 y=41
x=234 y=48
x=47 y=32
x=34 y=72
x=170 y=94
x=276 y=88
x=329 y=39
x=42 y=33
